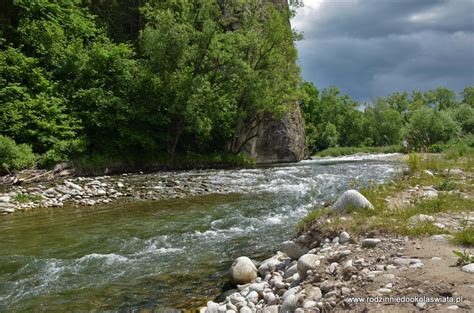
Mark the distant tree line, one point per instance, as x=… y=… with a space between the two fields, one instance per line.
x=139 y=78
x=421 y=119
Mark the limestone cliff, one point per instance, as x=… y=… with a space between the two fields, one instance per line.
x=279 y=140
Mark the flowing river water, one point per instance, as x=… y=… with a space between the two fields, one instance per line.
x=164 y=254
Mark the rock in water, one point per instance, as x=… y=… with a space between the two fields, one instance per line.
x=292 y=249
x=242 y=271
x=351 y=199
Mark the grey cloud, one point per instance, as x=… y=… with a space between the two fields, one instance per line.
x=374 y=47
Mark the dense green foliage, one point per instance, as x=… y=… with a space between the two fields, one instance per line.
x=426 y=121
x=142 y=78
x=13 y=156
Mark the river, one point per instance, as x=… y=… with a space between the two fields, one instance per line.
x=164 y=254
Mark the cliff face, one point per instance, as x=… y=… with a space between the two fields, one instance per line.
x=279 y=140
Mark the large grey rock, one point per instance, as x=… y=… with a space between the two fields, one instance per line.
x=242 y=271
x=307 y=262
x=293 y=249
x=276 y=139
x=351 y=199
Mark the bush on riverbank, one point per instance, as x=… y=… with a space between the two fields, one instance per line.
x=14 y=156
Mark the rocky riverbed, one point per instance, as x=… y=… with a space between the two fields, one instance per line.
x=88 y=191
x=325 y=271
x=328 y=277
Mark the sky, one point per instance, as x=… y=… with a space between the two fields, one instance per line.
x=370 y=48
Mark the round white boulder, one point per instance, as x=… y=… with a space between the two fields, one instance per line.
x=351 y=199
x=242 y=271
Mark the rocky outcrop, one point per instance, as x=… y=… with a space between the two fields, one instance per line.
x=279 y=139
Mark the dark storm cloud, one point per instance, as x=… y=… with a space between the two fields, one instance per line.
x=374 y=47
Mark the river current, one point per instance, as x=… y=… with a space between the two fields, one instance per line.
x=164 y=254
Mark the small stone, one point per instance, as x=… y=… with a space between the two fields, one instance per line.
x=245 y=309
x=288 y=305
x=331 y=269
x=404 y=261
x=429 y=173
x=417 y=265
x=344 y=237
x=421 y=305
x=270 y=309
x=270 y=298
x=72 y=185
x=5 y=199
x=452 y=307
x=420 y=218
x=252 y=297
x=370 y=242
x=293 y=249
x=309 y=304
x=384 y=290
x=212 y=307
x=307 y=262
x=469 y=268
x=442 y=237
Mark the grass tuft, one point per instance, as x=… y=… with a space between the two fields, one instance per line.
x=22 y=198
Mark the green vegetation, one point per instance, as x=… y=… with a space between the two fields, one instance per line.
x=428 y=121
x=384 y=218
x=464 y=257
x=24 y=198
x=139 y=79
x=338 y=151
x=13 y=156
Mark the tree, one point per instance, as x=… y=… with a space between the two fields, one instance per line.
x=427 y=127
x=31 y=110
x=385 y=123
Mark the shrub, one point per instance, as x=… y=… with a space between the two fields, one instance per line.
x=14 y=157
x=413 y=162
